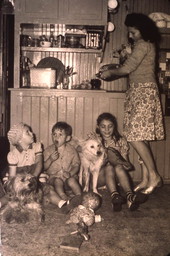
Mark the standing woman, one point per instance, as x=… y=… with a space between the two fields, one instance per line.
x=143 y=121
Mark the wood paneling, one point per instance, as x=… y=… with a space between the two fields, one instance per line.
x=41 y=108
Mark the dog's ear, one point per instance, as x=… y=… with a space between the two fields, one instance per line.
x=9 y=186
x=93 y=136
x=82 y=144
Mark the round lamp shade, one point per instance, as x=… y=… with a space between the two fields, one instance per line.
x=110 y=26
x=112 y=4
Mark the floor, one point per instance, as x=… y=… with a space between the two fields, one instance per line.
x=145 y=232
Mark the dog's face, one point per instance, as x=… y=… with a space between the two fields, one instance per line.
x=25 y=198
x=94 y=147
x=22 y=184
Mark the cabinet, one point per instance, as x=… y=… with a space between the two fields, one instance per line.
x=85 y=12
x=35 y=18
x=30 y=9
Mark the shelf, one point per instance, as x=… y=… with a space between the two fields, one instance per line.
x=164 y=30
x=55 y=49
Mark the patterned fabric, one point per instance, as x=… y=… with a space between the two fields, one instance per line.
x=143 y=115
x=121 y=145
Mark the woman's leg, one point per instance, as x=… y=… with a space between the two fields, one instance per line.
x=143 y=150
x=145 y=178
x=74 y=185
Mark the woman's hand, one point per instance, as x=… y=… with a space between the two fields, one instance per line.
x=106 y=72
x=105 y=75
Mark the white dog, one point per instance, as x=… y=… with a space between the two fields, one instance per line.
x=24 y=200
x=92 y=157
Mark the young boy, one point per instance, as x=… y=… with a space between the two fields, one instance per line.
x=26 y=157
x=61 y=161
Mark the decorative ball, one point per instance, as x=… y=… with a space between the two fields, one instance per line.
x=110 y=26
x=91 y=200
x=112 y=4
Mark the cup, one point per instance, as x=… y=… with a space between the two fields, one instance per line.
x=45 y=44
x=95 y=83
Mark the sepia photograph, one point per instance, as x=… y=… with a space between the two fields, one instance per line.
x=84 y=127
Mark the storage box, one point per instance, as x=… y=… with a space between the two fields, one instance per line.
x=42 y=77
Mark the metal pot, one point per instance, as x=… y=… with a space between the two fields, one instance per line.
x=72 y=41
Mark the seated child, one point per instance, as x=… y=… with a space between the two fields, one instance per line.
x=61 y=161
x=26 y=157
x=112 y=171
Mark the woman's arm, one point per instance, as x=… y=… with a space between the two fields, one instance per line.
x=113 y=74
x=131 y=64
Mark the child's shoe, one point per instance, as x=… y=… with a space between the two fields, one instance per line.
x=141 y=198
x=117 y=201
x=132 y=201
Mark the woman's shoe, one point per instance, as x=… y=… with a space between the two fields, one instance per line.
x=138 y=188
x=142 y=185
x=150 y=189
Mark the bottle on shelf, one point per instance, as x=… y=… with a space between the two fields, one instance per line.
x=24 y=72
x=51 y=38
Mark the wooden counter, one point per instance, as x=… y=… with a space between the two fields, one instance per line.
x=42 y=108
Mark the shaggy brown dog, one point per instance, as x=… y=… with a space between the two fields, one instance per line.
x=24 y=200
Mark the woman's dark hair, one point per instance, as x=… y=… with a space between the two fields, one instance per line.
x=145 y=25
x=63 y=126
x=111 y=118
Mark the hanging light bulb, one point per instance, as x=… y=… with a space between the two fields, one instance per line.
x=112 y=4
x=110 y=26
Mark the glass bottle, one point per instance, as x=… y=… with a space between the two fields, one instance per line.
x=51 y=38
x=25 y=72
